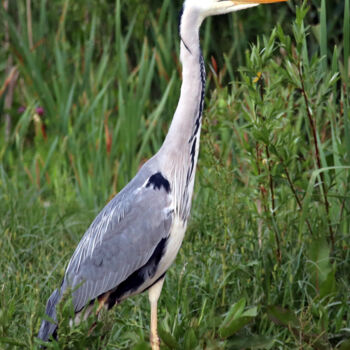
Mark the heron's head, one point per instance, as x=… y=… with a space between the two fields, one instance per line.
x=218 y=7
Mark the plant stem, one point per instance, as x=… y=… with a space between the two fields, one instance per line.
x=271 y=182
x=11 y=78
x=317 y=153
x=29 y=24
x=273 y=206
x=300 y=205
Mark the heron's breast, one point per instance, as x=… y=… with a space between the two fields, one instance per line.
x=176 y=236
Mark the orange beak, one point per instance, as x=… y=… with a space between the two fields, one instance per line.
x=244 y=2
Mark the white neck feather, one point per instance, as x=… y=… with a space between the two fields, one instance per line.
x=178 y=155
x=180 y=149
x=186 y=112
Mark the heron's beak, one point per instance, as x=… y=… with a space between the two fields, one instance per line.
x=245 y=2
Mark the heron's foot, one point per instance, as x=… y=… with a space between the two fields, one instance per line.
x=155 y=341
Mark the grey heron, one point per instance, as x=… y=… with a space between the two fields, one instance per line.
x=134 y=240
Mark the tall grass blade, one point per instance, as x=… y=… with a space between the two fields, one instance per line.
x=49 y=157
x=346 y=34
x=347 y=127
x=307 y=200
x=153 y=119
x=324 y=51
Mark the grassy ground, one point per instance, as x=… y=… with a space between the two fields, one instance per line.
x=265 y=263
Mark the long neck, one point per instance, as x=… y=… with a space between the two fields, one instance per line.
x=186 y=122
x=181 y=146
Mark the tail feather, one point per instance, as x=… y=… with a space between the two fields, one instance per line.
x=47 y=328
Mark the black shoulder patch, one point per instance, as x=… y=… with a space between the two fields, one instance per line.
x=158 y=181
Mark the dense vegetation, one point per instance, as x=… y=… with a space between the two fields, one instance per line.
x=87 y=90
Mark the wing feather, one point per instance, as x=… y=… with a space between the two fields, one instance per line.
x=120 y=241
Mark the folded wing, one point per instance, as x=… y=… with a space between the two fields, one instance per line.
x=120 y=241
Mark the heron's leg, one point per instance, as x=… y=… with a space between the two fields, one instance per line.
x=153 y=295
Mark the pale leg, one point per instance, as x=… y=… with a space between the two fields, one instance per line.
x=153 y=295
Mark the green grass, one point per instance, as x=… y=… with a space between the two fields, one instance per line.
x=265 y=262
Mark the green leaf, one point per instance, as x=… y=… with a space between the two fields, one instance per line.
x=309 y=192
x=282 y=317
x=324 y=35
x=11 y=341
x=167 y=338
x=251 y=342
x=190 y=341
x=252 y=312
x=235 y=312
x=346 y=31
x=347 y=127
x=234 y=327
x=321 y=270
x=329 y=285
x=142 y=346
x=236 y=319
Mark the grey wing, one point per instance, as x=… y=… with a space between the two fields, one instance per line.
x=120 y=241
